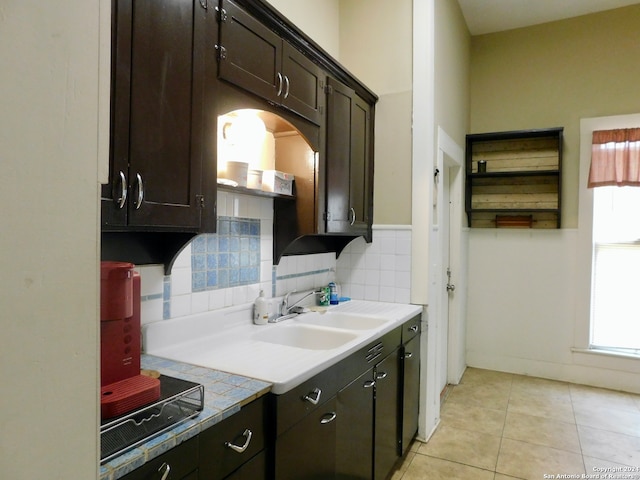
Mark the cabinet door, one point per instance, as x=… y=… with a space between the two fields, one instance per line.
x=114 y=210
x=411 y=391
x=349 y=162
x=303 y=84
x=387 y=404
x=361 y=178
x=308 y=450
x=180 y=463
x=250 y=55
x=354 y=444
x=165 y=163
x=157 y=115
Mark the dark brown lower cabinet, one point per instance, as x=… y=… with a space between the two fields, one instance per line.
x=232 y=443
x=354 y=458
x=254 y=469
x=307 y=451
x=410 y=358
x=387 y=416
x=179 y=463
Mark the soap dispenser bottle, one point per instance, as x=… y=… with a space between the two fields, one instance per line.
x=261 y=310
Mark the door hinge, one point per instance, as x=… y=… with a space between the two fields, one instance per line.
x=200 y=200
x=328 y=89
x=321 y=110
x=221 y=52
x=221 y=13
x=326 y=216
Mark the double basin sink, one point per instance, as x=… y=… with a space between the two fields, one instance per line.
x=284 y=354
x=320 y=330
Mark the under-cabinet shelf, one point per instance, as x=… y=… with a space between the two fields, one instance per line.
x=513 y=179
x=254 y=192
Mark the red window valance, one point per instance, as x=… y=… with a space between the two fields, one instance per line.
x=615 y=158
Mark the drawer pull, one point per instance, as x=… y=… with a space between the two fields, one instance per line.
x=408 y=355
x=381 y=375
x=313 y=397
x=236 y=448
x=328 y=418
x=369 y=384
x=413 y=328
x=167 y=469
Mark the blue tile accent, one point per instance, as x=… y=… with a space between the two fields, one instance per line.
x=228 y=258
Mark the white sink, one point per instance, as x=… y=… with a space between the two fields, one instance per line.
x=304 y=336
x=347 y=321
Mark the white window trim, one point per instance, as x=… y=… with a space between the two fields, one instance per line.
x=585 y=228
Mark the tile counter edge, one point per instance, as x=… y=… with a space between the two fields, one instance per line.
x=225 y=393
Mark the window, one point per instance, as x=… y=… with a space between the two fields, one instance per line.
x=615 y=309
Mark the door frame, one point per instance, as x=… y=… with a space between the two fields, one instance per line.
x=450 y=158
x=447 y=224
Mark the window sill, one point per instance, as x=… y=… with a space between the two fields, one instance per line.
x=606 y=353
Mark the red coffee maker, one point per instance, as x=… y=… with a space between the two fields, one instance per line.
x=123 y=389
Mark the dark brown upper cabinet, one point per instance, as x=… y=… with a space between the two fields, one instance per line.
x=349 y=162
x=156 y=117
x=257 y=59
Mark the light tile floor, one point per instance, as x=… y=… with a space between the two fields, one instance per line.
x=499 y=426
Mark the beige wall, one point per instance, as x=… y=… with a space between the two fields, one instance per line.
x=319 y=19
x=376 y=46
x=452 y=56
x=49 y=241
x=554 y=74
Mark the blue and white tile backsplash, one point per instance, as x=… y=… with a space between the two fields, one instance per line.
x=232 y=266
x=228 y=258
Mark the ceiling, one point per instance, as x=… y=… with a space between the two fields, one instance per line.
x=486 y=16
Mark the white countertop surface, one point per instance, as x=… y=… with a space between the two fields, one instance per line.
x=227 y=340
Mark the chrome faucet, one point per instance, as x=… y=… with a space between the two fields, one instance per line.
x=286 y=309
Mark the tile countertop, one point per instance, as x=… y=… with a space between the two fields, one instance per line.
x=228 y=340
x=224 y=394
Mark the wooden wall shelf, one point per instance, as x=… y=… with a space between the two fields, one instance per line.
x=522 y=179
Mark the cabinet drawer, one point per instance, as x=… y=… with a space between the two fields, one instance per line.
x=180 y=461
x=293 y=406
x=247 y=427
x=411 y=328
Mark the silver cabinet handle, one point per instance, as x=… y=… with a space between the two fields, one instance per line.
x=138 y=202
x=123 y=191
x=313 y=397
x=413 y=328
x=167 y=469
x=236 y=448
x=381 y=375
x=369 y=384
x=408 y=355
x=328 y=418
x=286 y=89
x=353 y=216
x=279 y=76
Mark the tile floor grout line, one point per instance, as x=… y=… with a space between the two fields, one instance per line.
x=504 y=426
